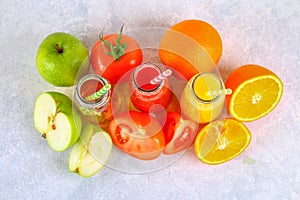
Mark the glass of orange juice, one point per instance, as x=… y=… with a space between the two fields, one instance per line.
x=203 y=97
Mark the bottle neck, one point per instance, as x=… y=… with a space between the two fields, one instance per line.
x=204 y=85
x=143 y=75
x=90 y=82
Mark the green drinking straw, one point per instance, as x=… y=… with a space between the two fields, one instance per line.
x=98 y=94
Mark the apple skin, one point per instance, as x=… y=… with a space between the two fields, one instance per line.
x=61 y=68
x=83 y=159
x=64 y=106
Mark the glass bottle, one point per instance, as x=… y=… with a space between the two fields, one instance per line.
x=203 y=97
x=96 y=111
x=149 y=97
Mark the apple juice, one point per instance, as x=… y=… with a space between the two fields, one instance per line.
x=97 y=111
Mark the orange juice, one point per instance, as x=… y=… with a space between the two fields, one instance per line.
x=202 y=100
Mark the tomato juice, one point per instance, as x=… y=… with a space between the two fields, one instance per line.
x=146 y=96
x=144 y=76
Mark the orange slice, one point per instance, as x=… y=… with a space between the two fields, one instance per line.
x=221 y=141
x=256 y=92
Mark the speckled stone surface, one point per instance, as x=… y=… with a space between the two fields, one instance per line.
x=261 y=32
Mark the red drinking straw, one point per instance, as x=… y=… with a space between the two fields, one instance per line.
x=161 y=77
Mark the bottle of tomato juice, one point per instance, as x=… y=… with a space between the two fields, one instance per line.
x=147 y=96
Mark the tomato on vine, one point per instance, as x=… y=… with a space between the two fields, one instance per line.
x=114 y=55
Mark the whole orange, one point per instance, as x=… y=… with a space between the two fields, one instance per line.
x=190 y=47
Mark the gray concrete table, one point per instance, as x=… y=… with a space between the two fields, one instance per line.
x=261 y=32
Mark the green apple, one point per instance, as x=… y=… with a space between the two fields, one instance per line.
x=90 y=152
x=61 y=58
x=56 y=120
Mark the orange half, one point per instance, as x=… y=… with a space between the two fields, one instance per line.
x=256 y=92
x=221 y=141
x=255 y=98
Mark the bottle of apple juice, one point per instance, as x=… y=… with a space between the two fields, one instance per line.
x=98 y=109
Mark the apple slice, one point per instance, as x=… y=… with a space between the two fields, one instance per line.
x=55 y=119
x=90 y=152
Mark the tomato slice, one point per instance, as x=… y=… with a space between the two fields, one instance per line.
x=137 y=134
x=116 y=70
x=179 y=133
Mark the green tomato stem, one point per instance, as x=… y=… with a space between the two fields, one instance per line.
x=116 y=51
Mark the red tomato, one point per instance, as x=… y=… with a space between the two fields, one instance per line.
x=127 y=55
x=179 y=133
x=137 y=134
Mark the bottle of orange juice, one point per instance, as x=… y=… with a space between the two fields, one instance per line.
x=203 y=97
